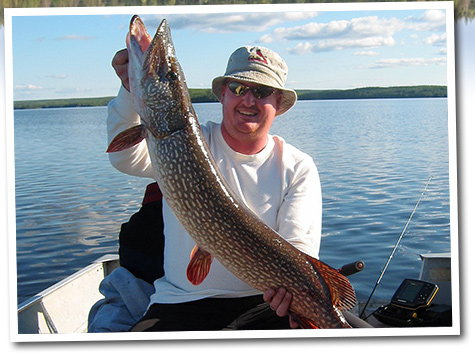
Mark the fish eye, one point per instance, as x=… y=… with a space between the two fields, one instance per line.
x=172 y=76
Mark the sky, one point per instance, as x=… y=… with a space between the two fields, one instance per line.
x=70 y=55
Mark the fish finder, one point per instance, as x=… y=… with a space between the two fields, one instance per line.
x=409 y=305
x=413 y=294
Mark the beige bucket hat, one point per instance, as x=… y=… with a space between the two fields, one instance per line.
x=257 y=65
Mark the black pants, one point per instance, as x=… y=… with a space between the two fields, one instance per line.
x=246 y=313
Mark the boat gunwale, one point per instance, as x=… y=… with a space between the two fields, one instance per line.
x=103 y=260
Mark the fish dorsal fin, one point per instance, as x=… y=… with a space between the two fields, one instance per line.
x=127 y=138
x=342 y=293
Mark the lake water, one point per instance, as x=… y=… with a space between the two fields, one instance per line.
x=374 y=159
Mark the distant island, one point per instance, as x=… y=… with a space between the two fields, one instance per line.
x=205 y=95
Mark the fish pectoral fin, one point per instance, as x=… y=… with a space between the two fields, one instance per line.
x=127 y=138
x=342 y=293
x=199 y=265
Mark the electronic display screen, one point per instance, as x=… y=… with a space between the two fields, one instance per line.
x=410 y=292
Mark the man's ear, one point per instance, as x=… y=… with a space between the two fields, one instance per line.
x=279 y=101
x=223 y=92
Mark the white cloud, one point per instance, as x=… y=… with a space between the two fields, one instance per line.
x=434 y=16
x=57 y=76
x=339 y=44
x=231 y=22
x=75 y=90
x=302 y=48
x=28 y=87
x=436 y=40
x=369 y=31
x=75 y=38
x=398 y=62
x=373 y=24
x=354 y=28
x=366 y=53
x=428 y=21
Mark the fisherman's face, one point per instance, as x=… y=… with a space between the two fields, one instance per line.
x=246 y=118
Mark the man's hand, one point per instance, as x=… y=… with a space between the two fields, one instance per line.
x=121 y=58
x=119 y=63
x=280 y=301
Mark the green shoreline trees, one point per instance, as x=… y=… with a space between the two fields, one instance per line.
x=205 y=95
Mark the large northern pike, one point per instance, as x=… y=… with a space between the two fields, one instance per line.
x=202 y=200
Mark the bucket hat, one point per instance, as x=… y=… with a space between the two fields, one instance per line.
x=257 y=65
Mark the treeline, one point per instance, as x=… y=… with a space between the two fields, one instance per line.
x=55 y=103
x=197 y=95
x=395 y=92
x=205 y=95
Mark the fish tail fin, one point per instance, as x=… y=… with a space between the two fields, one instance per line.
x=127 y=138
x=199 y=265
x=342 y=293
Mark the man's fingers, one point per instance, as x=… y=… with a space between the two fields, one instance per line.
x=293 y=323
x=120 y=58
x=268 y=295
x=278 y=300
x=120 y=65
x=284 y=297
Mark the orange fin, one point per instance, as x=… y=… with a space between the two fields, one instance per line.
x=303 y=322
x=127 y=138
x=342 y=293
x=199 y=265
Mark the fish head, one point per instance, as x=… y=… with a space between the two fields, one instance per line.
x=156 y=80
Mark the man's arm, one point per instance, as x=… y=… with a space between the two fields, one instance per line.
x=121 y=116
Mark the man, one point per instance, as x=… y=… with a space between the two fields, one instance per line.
x=277 y=181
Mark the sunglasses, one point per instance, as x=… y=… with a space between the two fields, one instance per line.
x=259 y=92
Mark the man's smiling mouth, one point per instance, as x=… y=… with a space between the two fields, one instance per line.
x=247 y=113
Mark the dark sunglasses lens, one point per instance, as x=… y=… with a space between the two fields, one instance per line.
x=262 y=92
x=238 y=89
x=259 y=92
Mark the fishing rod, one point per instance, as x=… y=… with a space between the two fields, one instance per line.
x=395 y=247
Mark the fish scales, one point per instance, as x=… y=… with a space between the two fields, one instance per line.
x=204 y=203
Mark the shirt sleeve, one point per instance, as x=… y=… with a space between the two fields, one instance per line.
x=300 y=214
x=122 y=115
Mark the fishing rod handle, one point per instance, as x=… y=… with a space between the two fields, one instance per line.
x=351 y=268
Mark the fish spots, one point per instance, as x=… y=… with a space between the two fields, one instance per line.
x=202 y=200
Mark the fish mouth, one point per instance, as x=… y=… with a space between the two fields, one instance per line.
x=139 y=34
x=156 y=55
x=138 y=40
x=157 y=82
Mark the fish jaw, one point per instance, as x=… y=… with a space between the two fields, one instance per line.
x=138 y=40
x=156 y=80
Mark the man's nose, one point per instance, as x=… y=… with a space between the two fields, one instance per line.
x=249 y=99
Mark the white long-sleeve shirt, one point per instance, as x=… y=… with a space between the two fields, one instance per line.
x=280 y=184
